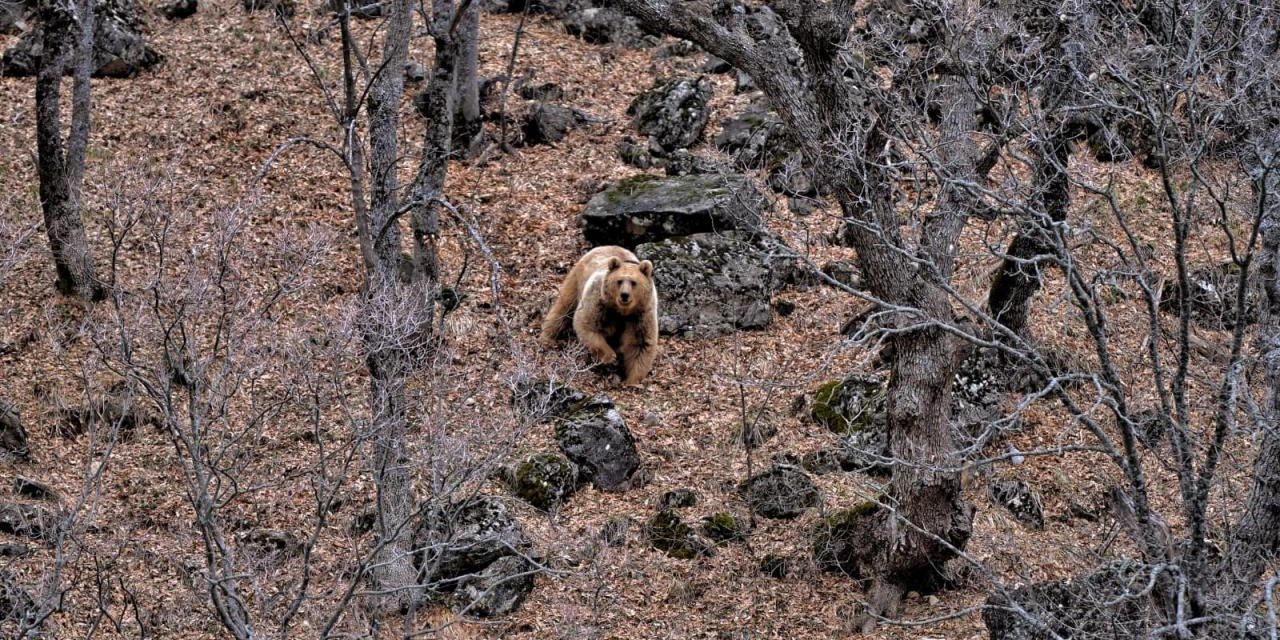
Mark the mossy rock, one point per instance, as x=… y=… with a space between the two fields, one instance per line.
x=723 y=527
x=854 y=403
x=545 y=480
x=844 y=541
x=782 y=492
x=669 y=533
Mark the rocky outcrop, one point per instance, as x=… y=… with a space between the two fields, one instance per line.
x=464 y=537
x=673 y=112
x=712 y=284
x=594 y=436
x=645 y=208
x=119 y=50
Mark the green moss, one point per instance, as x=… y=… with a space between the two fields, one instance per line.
x=668 y=533
x=722 y=527
x=631 y=186
x=847 y=405
x=841 y=540
x=544 y=480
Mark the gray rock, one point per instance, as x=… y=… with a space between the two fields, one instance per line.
x=673 y=112
x=645 y=208
x=34 y=489
x=1020 y=500
x=13 y=438
x=1212 y=299
x=678 y=499
x=711 y=284
x=539 y=399
x=754 y=139
x=119 y=50
x=545 y=480
x=15 y=601
x=497 y=590
x=464 y=538
x=547 y=124
x=781 y=492
x=1100 y=604
x=595 y=437
x=28 y=520
x=605 y=25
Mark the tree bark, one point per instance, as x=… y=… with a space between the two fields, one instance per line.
x=469 y=128
x=61 y=168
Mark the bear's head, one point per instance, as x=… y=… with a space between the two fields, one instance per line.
x=627 y=286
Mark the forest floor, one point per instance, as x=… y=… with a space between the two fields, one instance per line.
x=189 y=137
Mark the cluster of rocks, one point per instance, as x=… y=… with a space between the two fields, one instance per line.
x=592 y=20
x=668 y=532
x=119 y=49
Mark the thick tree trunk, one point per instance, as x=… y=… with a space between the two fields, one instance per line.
x=61 y=170
x=441 y=98
x=1256 y=538
x=469 y=127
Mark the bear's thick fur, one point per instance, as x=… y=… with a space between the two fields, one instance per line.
x=610 y=296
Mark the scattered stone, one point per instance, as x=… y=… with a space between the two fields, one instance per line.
x=548 y=124
x=678 y=499
x=119 y=50
x=28 y=520
x=464 y=538
x=614 y=532
x=754 y=139
x=545 y=92
x=854 y=403
x=545 y=480
x=1020 y=500
x=669 y=534
x=13 y=438
x=712 y=284
x=414 y=72
x=178 y=9
x=270 y=543
x=781 y=492
x=1212 y=300
x=15 y=602
x=844 y=541
x=723 y=527
x=673 y=112
x=595 y=437
x=774 y=566
x=646 y=208
x=34 y=489
x=842 y=271
x=497 y=590
x=1099 y=604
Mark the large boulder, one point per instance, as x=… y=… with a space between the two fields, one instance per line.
x=596 y=438
x=497 y=590
x=544 y=480
x=1102 y=604
x=673 y=112
x=754 y=138
x=548 y=124
x=119 y=50
x=464 y=538
x=781 y=492
x=646 y=208
x=711 y=284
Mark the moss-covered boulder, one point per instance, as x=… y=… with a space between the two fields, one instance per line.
x=845 y=540
x=723 y=527
x=712 y=284
x=781 y=492
x=854 y=403
x=647 y=208
x=544 y=480
x=668 y=533
x=594 y=436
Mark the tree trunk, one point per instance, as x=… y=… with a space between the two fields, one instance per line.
x=428 y=188
x=388 y=346
x=1256 y=538
x=61 y=170
x=469 y=128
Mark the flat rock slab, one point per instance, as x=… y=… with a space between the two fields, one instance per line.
x=646 y=208
x=711 y=284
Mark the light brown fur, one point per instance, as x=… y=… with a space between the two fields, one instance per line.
x=610 y=296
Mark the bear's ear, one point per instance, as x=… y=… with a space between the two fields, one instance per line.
x=614 y=263
x=646 y=268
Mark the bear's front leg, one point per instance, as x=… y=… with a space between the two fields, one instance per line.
x=638 y=354
x=592 y=338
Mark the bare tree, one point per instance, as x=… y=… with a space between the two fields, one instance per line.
x=67 y=37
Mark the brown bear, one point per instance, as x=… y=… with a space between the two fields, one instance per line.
x=614 y=306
